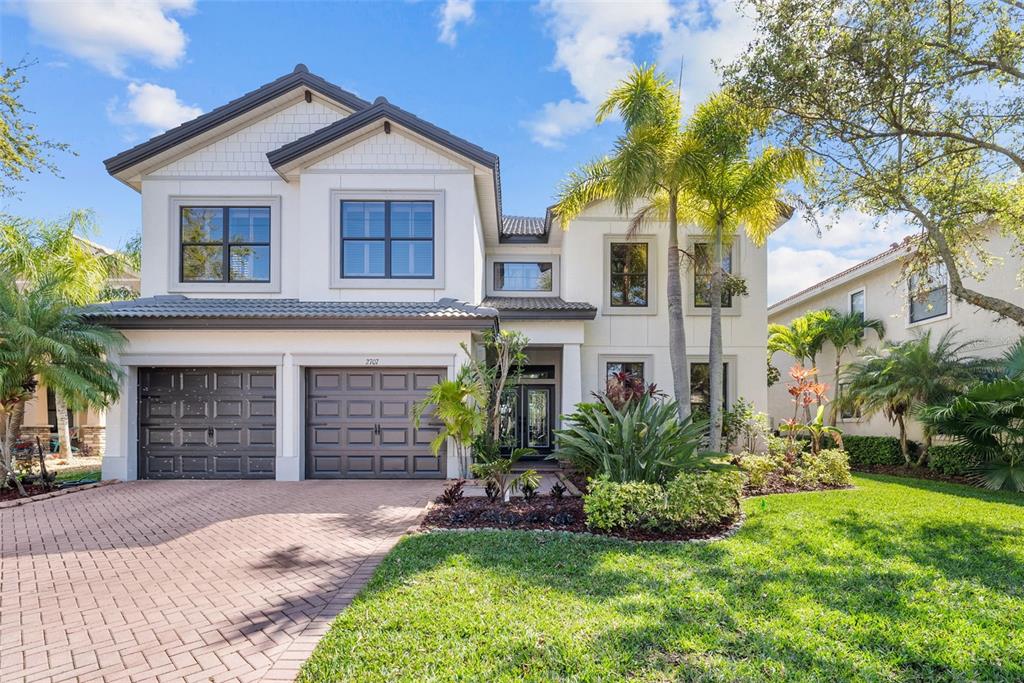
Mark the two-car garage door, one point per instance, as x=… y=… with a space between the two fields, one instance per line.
x=220 y=423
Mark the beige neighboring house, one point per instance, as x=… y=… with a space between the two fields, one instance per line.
x=313 y=263
x=877 y=288
x=88 y=427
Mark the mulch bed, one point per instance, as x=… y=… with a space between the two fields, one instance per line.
x=914 y=473
x=777 y=485
x=543 y=513
x=30 y=489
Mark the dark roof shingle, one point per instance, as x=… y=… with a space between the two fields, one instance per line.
x=539 y=307
x=523 y=226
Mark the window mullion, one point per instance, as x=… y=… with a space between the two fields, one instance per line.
x=387 y=240
x=226 y=266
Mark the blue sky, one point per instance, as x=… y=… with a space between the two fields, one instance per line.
x=520 y=79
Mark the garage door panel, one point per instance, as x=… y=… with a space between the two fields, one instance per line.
x=377 y=437
x=207 y=422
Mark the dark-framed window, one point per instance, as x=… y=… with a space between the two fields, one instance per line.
x=225 y=243
x=703 y=266
x=857 y=302
x=523 y=276
x=700 y=387
x=387 y=239
x=628 y=281
x=929 y=294
x=633 y=367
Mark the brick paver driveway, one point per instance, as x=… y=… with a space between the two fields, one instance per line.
x=188 y=580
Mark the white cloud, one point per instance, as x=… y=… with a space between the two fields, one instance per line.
x=594 y=44
x=792 y=270
x=153 y=106
x=453 y=13
x=106 y=33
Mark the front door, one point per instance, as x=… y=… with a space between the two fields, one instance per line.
x=528 y=418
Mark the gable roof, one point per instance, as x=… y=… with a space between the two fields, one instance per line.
x=299 y=77
x=523 y=226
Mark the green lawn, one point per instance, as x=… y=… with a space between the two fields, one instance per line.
x=76 y=473
x=897 y=580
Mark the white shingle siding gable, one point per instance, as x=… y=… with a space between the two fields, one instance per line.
x=244 y=152
x=391 y=151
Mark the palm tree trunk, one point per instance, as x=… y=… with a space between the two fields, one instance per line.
x=676 y=332
x=63 y=426
x=11 y=427
x=922 y=459
x=715 y=345
x=835 y=389
x=904 y=446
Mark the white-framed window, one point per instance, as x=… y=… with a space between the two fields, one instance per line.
x=696 y=299
x=929 y=294
x=700 y=386
x=638 y=365
x=224 y=244
x=630 y=282
x=856 y=303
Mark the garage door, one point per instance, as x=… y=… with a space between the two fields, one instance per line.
x=359 y=423
x=207 y=423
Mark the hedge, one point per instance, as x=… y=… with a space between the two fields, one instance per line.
x=873 y=450
x=953 y=459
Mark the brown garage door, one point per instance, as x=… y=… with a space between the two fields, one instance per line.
x=206 y=423
x=359 y=423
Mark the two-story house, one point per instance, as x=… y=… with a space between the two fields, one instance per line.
x=313 y=263
x=879 y=289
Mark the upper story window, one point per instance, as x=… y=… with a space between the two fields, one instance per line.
x=702 y=270
x=929 y=295
x=523 y=276
x=857 y=302
x=387 y=239
x=225 y=243
x=628 y=274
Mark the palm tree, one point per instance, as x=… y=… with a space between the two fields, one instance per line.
x=731 y=190
x=903 y=378
x=844 y=331
x=652 y=162
x=41 y=337
x=78 y=270
x=459 y=406
x=802 y=339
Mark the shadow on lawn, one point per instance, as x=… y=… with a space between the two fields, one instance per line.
x=949 y=488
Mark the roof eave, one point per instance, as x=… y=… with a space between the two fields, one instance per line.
x=289 y=323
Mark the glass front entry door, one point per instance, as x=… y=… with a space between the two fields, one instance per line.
x=527 y=419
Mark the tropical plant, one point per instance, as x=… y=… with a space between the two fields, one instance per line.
x=643 y=441
x=802 y=339
x=729 y=189
x=497 y=372
x=902 y=378
x=458 y=405
x=745 y=428
x=805 y=389
x=989 y=418
x=652 y=161
x=816 y=429
x=623 y=387
x=845 y=331
x=41 y=338
x=498 y=473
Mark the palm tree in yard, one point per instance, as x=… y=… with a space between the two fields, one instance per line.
x=76 y=270
x=903 y=378
x=42 y=338
x=652 y=162
x=733 y=189
x=802 y=339
x=845 y=331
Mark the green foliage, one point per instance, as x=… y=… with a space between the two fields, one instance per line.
x=827 y=467
x=703 y=498
x=611 y=505
x=802 y=338
x=22 y=151
x=816 y=429
x=954 y=459
x=458 y=405
x=873 y=450
x=743 y=427
x=644 y=441
x=497 y=372
x=498 y=473
x=758 y=468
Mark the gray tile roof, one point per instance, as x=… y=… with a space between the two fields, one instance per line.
x=523 y=226
x=175 y=310
x=539 y=307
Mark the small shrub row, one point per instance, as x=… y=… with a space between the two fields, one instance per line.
x=693 y=500
x=873 y=450
x=777 y=470
x=953 y=459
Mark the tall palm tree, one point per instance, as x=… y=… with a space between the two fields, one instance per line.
x=79 y=272
x=730 y=190
x=41 y=337
x=652 y=161
x=845 y=331
x=802 y=339
x=902 y=378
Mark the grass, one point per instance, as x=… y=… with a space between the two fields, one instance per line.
x=896 y=580
x=76 y=473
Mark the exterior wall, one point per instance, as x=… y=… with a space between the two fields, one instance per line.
x=288 y=351
x=886 y=297
x=625 y=333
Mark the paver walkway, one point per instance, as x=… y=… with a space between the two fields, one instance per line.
x=189 y=580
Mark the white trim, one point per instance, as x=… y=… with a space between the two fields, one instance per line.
x=199 y=360
x=735 y=309
x=384 y=360
x=653 y=281
x=338 y=282
x=383 y=171
x=174 y=283
x=556 y=273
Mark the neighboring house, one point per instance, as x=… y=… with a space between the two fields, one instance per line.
x=87 y=426
x=314 y=262
x=878 y=288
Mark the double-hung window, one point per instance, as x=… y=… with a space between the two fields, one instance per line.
x=702 y=269
x=225 y=243
x=929 y=295
x=387 y=239
x=628 y=279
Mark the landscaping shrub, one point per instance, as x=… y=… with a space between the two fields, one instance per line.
x=758 y=468
x=703 y=498
x=954 y=459
x=828 y=467
x=624 y=505
x=873 y=450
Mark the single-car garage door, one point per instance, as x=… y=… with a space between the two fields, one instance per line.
x=207 y=423
x=359 y=423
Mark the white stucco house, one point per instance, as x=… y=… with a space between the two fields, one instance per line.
x=313 y=262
